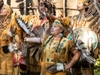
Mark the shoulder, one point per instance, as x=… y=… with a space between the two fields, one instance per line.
x=46 y=39
x=67 y=42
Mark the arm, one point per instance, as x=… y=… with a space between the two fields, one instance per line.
x=34 y=39
x=75 y=58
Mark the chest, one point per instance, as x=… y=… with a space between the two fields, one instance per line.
x=55 y=46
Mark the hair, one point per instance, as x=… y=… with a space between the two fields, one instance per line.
x=50 y=7
x=1 y=3
x=86 y=8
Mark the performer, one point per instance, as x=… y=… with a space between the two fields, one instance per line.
x=8 y=28
x=59 y=14
x=56 y=51
x=30 y=50
x=80 y=20
x=6 y=60
x=84 y=20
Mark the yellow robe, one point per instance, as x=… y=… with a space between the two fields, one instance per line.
x=6 y=59
x=52 y=55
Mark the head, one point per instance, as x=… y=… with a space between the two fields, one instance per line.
x=46 y=7
x=57 y=28
x=30 y=12
x=5 y=11
x=82 y=5
x=59 y=14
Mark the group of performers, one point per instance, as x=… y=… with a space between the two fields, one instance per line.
x=39 y=44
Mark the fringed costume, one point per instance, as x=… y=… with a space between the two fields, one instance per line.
x=91 y=20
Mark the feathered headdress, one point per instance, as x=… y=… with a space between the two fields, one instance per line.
x=85 y=2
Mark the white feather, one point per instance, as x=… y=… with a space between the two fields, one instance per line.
x=5 y=1
x=10 y=33
x=23 y=26
x=12 y=47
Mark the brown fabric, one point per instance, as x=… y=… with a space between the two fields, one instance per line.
x=61 y=55
x=6 y=63
x=6 y=60
x=32 y=63
x=88 y=71
x=59 y=73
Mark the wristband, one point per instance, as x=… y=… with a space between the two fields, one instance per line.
x=40 y=40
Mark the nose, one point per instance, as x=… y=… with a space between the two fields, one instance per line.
x=52 y=27
x=77 y=6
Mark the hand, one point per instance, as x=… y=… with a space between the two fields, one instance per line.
x=56 y=67
x=25 y=39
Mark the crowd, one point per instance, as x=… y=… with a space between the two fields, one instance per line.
x=37 y=44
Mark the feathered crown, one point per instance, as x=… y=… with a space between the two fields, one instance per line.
x=86 y=2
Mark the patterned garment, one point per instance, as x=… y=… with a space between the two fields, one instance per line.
x=55 y=51
x=6 y=59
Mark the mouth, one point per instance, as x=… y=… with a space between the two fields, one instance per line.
x=77 y=7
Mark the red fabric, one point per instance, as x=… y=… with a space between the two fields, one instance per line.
x=42 y=21
x=16 y=60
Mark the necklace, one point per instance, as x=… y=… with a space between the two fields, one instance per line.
x=53 y=45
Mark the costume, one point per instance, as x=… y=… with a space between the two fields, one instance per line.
x=6 y=61
x=8 y=31
x=56 y=51
x=17 y=61
x=32 y=50
x=52 y=56
x=86 y=20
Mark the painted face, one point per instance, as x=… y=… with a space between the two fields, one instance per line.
x=3 y=11
x=55 y=30
x=80 y=5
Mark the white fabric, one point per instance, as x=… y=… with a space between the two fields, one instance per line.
x=12 y=47
x=60 y=67
x=10 y=33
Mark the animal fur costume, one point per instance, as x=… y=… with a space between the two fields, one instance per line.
x=55 y=51
x=8 y=27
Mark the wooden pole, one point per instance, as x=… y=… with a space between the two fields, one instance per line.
x=64 y=8
x=24 y=7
